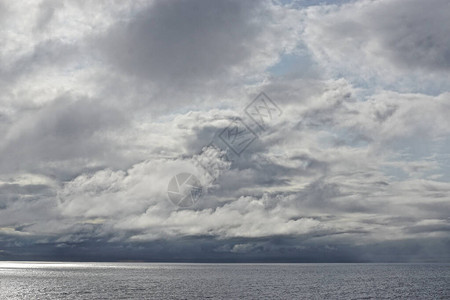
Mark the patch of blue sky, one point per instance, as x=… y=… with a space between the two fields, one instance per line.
x=297 y=64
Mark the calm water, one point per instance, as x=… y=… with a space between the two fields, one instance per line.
x=30 y=280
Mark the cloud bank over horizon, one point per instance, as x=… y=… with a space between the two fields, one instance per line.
x=103 y=102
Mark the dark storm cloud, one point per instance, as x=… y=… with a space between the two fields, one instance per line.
x=400 y=44
x=182 y=41
x=413 y=34
x=46 y=13
x=68 y=128
x=206 y=249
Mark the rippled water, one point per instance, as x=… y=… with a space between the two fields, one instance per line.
x=31 y=280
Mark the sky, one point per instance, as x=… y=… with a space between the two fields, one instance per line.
x=336 y=115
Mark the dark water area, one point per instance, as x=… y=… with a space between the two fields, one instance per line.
x=45 y=280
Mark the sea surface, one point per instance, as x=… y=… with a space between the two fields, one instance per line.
x=45 y=280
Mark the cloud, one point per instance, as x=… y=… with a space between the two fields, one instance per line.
x=179 y=43
x=401 y=42
x=64 y=130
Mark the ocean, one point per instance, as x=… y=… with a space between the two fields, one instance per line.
x=49 y=280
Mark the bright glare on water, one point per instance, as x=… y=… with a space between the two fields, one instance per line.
x=45 y=280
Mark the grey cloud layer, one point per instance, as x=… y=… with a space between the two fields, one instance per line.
x=403 y=42
x=192 y=40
